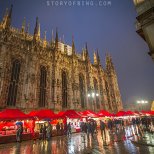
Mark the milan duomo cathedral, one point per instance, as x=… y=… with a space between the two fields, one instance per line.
x=37 y=74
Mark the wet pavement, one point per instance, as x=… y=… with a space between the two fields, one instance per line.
x=115 y=143
x=147 y=139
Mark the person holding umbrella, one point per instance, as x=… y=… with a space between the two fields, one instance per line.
x=19 y=132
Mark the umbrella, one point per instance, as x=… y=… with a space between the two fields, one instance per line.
x=19 y=123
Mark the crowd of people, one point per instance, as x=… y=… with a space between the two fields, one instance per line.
x=130 y=126
x=137 y=126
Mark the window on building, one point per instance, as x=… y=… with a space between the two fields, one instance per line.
x=43 y=78
x=64 y=89
x=96 y=91
x=82 y=90
x=14 y=83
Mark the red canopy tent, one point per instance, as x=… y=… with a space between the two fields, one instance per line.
x=104 y=113
x=90 y=113
x=151 y=113
x=13 y=114
x=120 y=113
x=70 y=114
x=137 y=113
x=130 y=113
x=147 y=112
x=43 y=114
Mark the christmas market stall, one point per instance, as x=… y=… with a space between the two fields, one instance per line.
x=10 y=119
x=74 y=118
x=44 y=117
x=91 y=116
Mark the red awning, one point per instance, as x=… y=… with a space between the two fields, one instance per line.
x=13 y=114
x=130 y=113
x=104 y=113
x=147 y=112
x=90 y=113
x=121 y=113
x=70 y=114
x=43 y=114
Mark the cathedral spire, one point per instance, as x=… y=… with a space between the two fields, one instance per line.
x=37 y=30
x=23 y=27
x=86 y=52
x=7 y=18
x=63 y=39
x=45 y=39
x=95 y=58
x=98 y=58
x=52 y=39
x=27 y=28
x=73 y=45
x=109 y=63
x=56 y=40
x=83 y=54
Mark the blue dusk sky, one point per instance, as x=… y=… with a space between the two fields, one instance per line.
x=107 y=25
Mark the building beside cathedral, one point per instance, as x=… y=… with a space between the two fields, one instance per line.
x=35 y=73
x=145 y=22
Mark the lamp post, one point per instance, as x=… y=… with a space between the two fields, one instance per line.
x=93 y=95
x=142 y=102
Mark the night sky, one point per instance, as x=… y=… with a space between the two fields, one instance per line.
x=109 y=28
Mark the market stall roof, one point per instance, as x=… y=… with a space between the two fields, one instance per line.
x=70 y=114
x=44 y=114
x=13 y=114
x=90 y=113
x=130 y=113
x=120 y=113
x=147 y=112
x=138 y=113
x=104 y=113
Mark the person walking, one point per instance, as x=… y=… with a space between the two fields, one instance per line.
x=102 y=128
x=48 y=131
x=44 y=132
x=69 y=129
x=58 y=128
x=41 y=132
x=19 y=133
x=61 y=128
x=88 y=129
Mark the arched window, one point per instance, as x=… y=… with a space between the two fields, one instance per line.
x=96 y=91
x=64 y=89
x=82 y=90
x=13 y=87
x=43 y=78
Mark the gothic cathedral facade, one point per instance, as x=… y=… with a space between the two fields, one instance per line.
x=37 y=74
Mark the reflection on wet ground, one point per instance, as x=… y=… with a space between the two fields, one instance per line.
x=115 y=143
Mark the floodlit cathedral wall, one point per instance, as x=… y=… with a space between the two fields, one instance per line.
x=37 y=74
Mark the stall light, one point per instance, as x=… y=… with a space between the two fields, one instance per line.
x=88 y=95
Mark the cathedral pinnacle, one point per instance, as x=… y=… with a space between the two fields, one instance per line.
x=86 y=52
x=98 y=58
x=45 y=39
x=109 y=63
x=73 y=45
x=23 y=27
x=7 y=18
x=37 y=30
x=95 y=59
x=56 y=40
